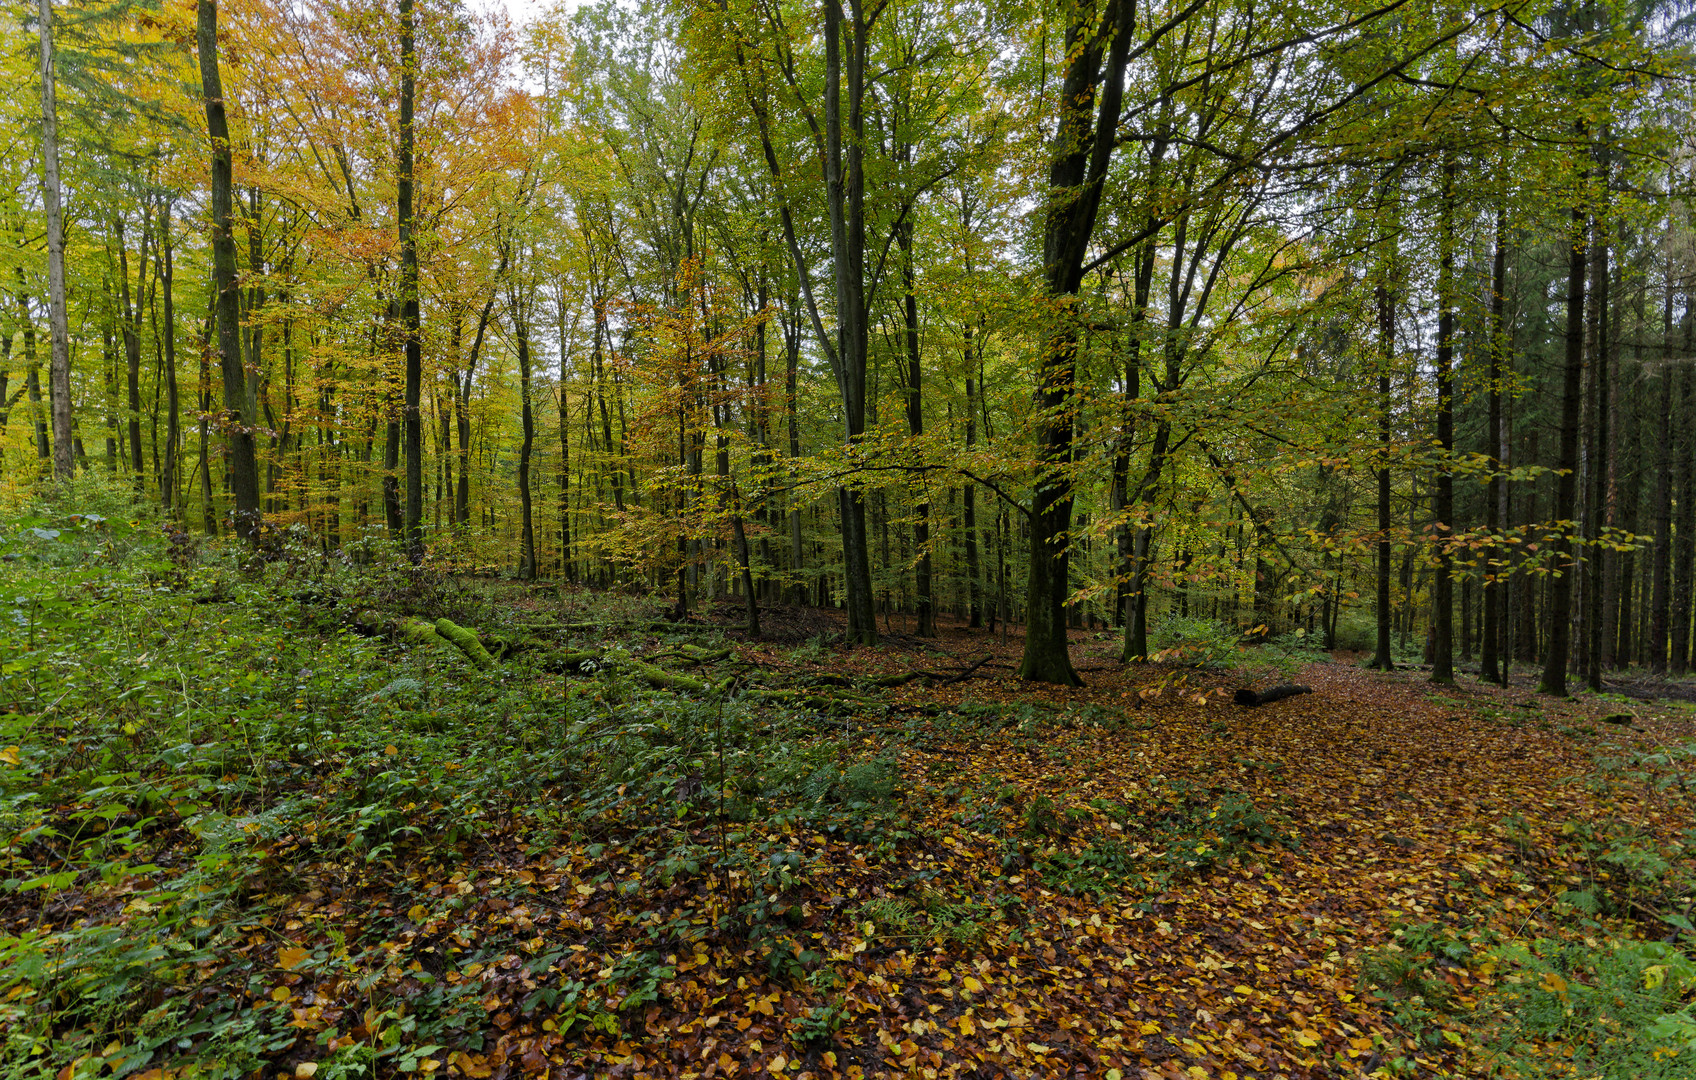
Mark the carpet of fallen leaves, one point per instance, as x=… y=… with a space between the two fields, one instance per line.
x=1391 y=791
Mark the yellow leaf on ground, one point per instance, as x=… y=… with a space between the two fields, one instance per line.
x=292 y=957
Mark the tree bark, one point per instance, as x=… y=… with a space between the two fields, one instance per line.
x=173 y=403
x=1490 y=668
x=59 y=363
x=1443 y=494
x=1566 y=485
x=239 y=418
x=1599 y=454
x=409 y=307
x=1085 y=138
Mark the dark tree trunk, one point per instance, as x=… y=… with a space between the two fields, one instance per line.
x=1490 y=669
x=1443 y=494
x=1684 y=526
x=1566 y=486
x=1599 y=455
x=1097 y=45
x=240 y=417
x=916 y=428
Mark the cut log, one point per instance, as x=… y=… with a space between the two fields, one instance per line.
x=1250 y=698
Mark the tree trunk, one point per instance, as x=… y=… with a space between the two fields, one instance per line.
x=916 y=428
x=1084 y=144
x=1490 y=669
x=409 y=307
x=969 y=507
x=1566 y=485
x=239 y=418
x=527 y=532
x=1599 y=453
x=1443 y=496
x=59 y=364
x=845 y=196
x=173 y=404
x=1684 y=526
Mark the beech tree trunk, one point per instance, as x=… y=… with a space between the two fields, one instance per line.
x=1097 y=44
x=239 y=418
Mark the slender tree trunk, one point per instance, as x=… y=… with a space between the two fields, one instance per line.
x=791 y=362
x=1599 y=454
x=916 y=428
x=1660 y=609
x=1490 y=669
x=239 y=418
x=409 y=307
x=129 y=325
x=527 y=532
x=1443 y=501
x=845 y=197
x=1684 y=525
x=59 y=364
x=969 y=507
x=173 y=405
x=1566 y=486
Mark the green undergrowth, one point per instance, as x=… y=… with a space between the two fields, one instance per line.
x=1595 y=975
x=190 y=730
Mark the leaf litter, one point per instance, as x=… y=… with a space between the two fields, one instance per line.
x=1135 y=879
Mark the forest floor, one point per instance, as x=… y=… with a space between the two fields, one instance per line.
x=334 y=855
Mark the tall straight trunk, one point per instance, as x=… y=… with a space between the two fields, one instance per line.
x=1443 y=500
x=109 y=371
x=1136 y=535
x=1383 y=658
x=1598 y=453
x=916 y=428
x=239 y=413
x=791 y=363
x=173 y=403
x=566 y=568
x=129 y=315
x=730 y=498
x=1684 y=526
x=409 y=309
x=969 y=506
x=32 y=380
x=1566 y=486
x=527 y=531
x=1660 y=609
x=844 y=175
x=208 y=510
x=1490 y=669
x=59 y=334
x=462 y=411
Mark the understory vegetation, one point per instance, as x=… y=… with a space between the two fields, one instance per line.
x=249 y=824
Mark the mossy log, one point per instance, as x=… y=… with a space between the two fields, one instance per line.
x=467 y=642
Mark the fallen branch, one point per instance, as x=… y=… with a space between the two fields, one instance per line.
x=1250 y=699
